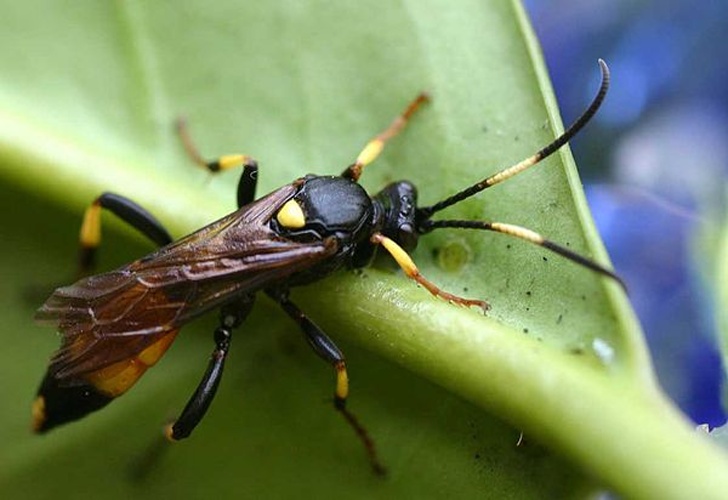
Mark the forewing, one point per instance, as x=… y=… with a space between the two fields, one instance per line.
x=115 y=316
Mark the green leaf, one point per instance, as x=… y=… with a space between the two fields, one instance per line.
x=713 y=255
x=88 y=95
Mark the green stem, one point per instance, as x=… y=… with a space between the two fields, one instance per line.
x=615 y=425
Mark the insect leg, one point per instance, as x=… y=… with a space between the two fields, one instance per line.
x=231 y=316
x=126 y=210
x=246 y=186
x=410 y=269
x=247 y=183
x=375 y=146
x=327 y=350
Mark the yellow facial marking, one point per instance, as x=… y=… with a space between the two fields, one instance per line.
x=291 y=215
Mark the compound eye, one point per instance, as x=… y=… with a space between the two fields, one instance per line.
x=291 y=215
x=407 y=237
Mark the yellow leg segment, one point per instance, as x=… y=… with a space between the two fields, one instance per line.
x=342 y=382
x=342 y=392
x=374 y=147
x=222 y=163
x=89 y=238
x=410 y=269
x=90 y=234
x=129 y=212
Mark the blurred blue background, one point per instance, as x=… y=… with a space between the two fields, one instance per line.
x=654 y=163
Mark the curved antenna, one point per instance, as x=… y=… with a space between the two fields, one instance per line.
x=425 y=213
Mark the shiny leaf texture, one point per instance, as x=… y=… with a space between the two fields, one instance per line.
x=89 y=92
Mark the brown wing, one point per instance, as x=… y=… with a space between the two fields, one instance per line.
x=134 y=311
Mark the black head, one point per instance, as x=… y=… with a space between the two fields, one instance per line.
x=395 y=212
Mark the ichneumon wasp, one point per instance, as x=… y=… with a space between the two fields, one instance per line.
x=117 y=324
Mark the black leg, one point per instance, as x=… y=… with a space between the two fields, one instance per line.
x=126 y=210
x=230 y=317
x=327 y=350
x=247 y=183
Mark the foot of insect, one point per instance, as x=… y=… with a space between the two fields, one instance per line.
x=327 y=350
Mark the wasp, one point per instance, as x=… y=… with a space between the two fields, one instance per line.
x=117 y=324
